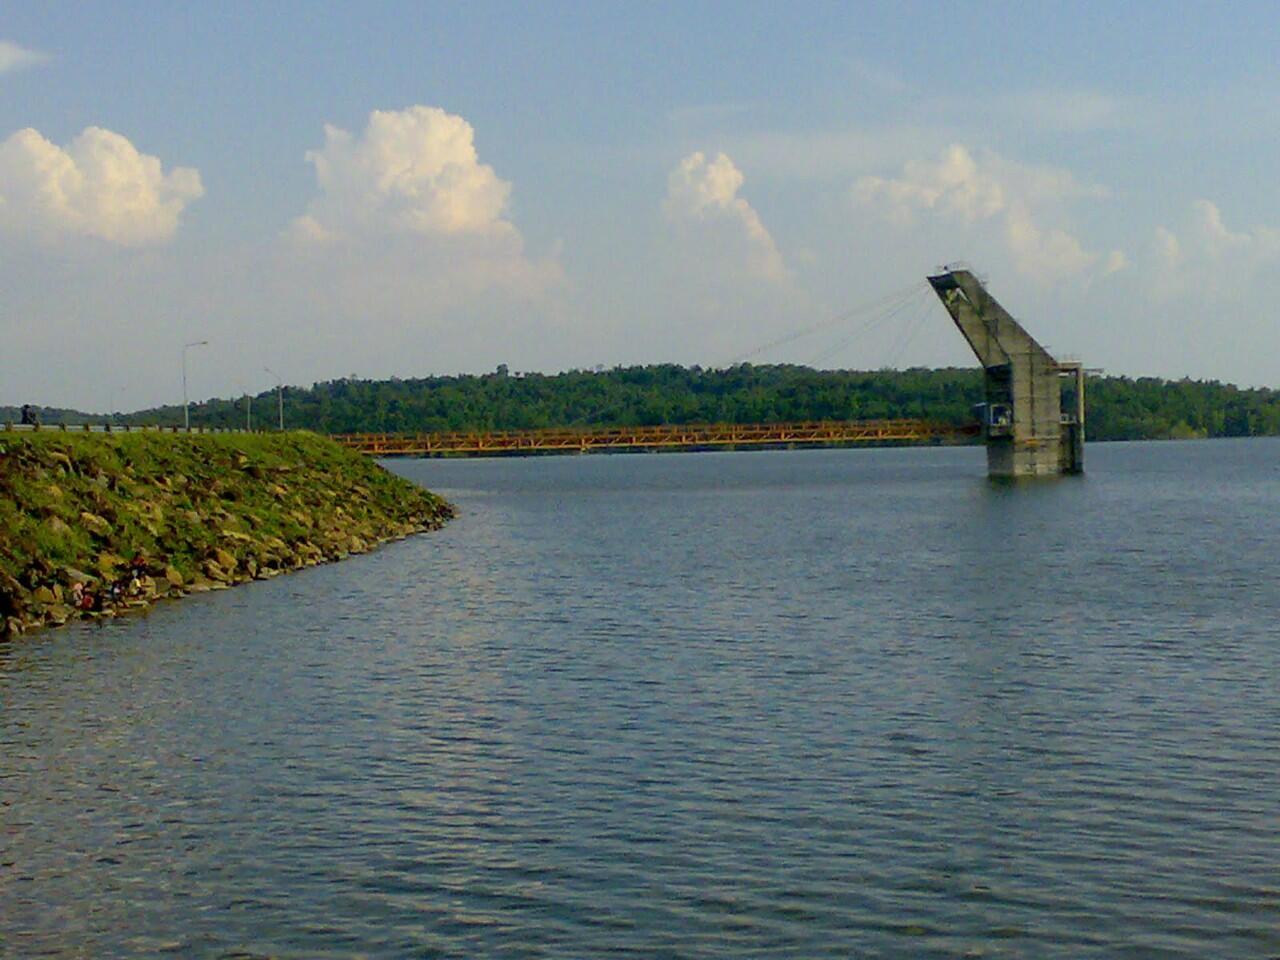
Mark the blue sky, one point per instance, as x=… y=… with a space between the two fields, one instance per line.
x=562 y=185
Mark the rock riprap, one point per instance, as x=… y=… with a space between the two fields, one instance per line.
x=161 y=515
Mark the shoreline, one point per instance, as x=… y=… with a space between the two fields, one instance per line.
x=104 y=525
x=159 y=590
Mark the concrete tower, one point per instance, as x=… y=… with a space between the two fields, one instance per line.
x=1026 y=431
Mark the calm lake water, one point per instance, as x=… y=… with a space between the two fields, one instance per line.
x=856 y=703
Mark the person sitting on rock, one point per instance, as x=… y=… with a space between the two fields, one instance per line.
x=77 y=595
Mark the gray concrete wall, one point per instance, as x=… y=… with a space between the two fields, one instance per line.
x=1020 y=375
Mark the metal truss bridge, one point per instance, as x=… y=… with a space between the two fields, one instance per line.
x=1031 y=424
x=685 y=437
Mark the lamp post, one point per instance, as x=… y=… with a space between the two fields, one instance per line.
x=279 y=395
x=186 y=405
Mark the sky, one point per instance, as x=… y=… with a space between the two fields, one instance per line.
x=409 y=189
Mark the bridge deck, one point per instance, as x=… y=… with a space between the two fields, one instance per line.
x=685 y=437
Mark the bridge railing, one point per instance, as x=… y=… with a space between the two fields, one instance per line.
x=669 y=436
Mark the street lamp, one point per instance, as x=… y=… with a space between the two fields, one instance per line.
x=279 y=394
x=186 y=406
x=248 y=405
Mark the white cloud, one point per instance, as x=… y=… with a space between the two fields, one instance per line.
x=951 y=185
x=1047 y=254
x=1208 y=256
x=1116 y=261
x=1205 y=240
x=706 y=192
x=961 y=188
x=970 y=188
x=413 y=171
x=409 y=223
x=98 y=186
x=1216 y=241
x=14 y=57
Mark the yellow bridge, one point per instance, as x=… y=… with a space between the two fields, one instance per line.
x=685 y=437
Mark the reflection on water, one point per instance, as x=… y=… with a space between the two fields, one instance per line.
x=790 y=704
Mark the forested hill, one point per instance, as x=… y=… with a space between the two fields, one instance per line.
x=1120 y=408
x=13 y=414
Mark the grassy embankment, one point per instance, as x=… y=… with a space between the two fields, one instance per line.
x=204 y=512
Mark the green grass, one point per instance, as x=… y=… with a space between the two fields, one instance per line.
x=176 y=498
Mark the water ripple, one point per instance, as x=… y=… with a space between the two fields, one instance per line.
x=709 y=706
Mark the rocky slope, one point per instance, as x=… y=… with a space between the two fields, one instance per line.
x=188 y=512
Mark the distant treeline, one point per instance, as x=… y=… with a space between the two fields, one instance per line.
x=1119 y=408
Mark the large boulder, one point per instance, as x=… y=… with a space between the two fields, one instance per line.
x=95 y=524
x=108 y=564
x=72 y=575
x=57 y=614
x=214 y=571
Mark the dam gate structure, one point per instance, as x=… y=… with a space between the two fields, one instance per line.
x=1031 y=418
x=1028 y=428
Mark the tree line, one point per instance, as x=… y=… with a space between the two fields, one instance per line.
x=1119 y=408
